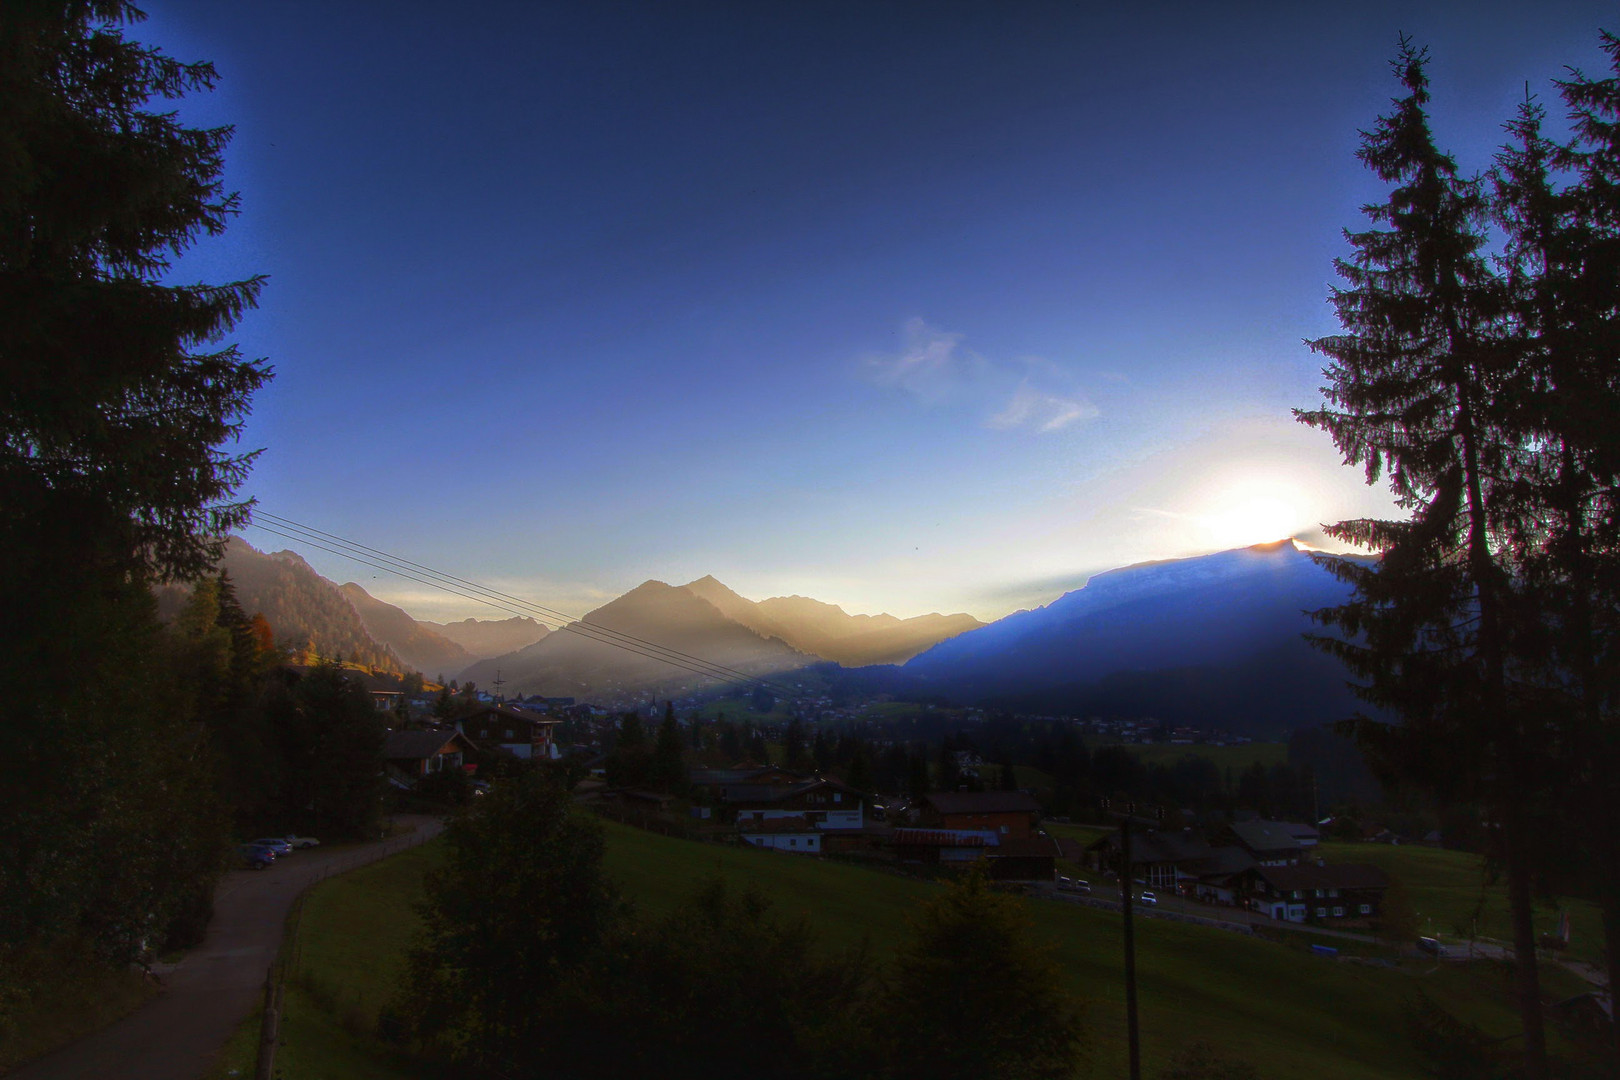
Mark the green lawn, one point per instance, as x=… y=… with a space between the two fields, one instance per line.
x=1284 y=1009
x=1447 y=889
x=1236 y=758
x=345 y=964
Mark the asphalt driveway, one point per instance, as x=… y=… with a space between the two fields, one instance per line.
x=215 y=986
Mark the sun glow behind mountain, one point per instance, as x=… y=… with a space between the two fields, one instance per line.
x=1253 y=512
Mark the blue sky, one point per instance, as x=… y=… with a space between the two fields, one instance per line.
x=907 y=307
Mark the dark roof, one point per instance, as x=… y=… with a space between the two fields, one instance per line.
x=768 y=793
x=1034 y=847
x=983 y=802
x=1221 y=862
x=741 y=775
x=945 y=838
x=777 y=825
x=1343 y=876
x=419 y=745
x=1184 y=846
x=1261 y=836
x=506 y=712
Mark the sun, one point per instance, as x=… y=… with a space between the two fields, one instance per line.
x=1243 y=516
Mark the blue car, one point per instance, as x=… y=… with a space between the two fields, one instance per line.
x=255 y=856
x=274 y=843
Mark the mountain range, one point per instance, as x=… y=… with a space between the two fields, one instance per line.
x=1214 y=641
x=705 y=619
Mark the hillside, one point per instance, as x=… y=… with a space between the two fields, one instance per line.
x=486 y=638
x=307 y=612
x=826 y=630
x=422 y=648
x=1214 y=641
x=572 y=662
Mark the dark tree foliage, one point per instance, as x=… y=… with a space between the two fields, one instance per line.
x=795 y=750
x=117 y=396
x=519 y=905
x=721 y=978
x=972 y=995
x=1487 y=391
x=666 y=768
x=116 y=400
x=329 y=740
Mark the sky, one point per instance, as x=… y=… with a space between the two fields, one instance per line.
x=906 y=307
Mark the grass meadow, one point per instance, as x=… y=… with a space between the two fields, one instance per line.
x=1277 y=1005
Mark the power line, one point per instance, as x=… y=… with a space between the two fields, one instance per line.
x=458 y=586
x=590 y=631
x=426 y=575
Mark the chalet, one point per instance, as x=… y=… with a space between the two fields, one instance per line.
x=1218 y=878
x=825 y=804
x=795 y=834
x=1006 y=813
x=519 y=732
x=1034 y=859
x=943 y=846
x=717 y=781
x=415 y=754
x=1163 y=859
x=1272 y=843
x=1316 y=893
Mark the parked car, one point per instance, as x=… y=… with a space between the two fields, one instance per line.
x=1431 y=946
x=275 y=844
x=255 y=856
x=1148 y=898
x=299 y=842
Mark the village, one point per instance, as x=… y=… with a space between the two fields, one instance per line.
x=1231 y=872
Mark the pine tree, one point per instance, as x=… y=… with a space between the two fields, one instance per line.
x=116 y=399
x=1415 y=394
x=116 y=402
x=973 y=995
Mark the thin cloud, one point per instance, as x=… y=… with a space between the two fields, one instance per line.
x=929 y=366
x=1040 y=410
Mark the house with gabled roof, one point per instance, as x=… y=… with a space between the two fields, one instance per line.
x=1316 y=893
x=1006 y=813
x=825 y=804
x=794 y=834
x=1272 y=843
x=415 y=754
x=519 y=732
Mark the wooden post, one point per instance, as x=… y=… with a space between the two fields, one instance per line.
x=268 y=1028
x=1130 y=949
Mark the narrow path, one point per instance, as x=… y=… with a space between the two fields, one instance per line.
x=216 y=985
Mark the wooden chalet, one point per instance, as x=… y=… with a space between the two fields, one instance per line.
x=1006 y=813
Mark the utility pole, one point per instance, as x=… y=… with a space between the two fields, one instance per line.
x=1130 y=949
x=1126 y=817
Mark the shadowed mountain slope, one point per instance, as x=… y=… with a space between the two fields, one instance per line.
x=1215 y=640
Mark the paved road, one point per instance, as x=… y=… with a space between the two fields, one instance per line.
x=208 y=994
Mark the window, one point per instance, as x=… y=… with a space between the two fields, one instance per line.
x=793 y=843
x=508 y=733
x=1321 y=913
x=838 y=796
x=1366 y=909
x=1338 y=910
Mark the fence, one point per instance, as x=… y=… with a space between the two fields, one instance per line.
x=291 y=953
